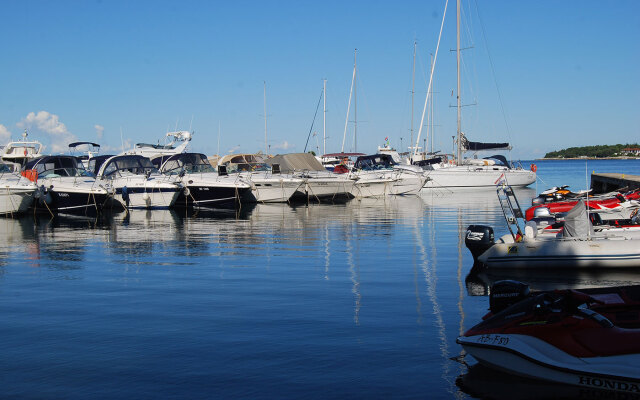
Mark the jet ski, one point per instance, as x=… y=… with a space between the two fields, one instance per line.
x=588 y=337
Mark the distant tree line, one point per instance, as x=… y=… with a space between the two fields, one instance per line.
x=614 y=150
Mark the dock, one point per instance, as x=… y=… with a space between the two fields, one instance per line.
x=602 y=183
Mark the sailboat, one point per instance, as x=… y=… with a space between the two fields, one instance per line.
x=473 y=173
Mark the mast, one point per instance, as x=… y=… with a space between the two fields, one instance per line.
x=266 y=147
x=413 y=88
x=459 y=130
x=355 y=104
x=346 y=121
x=324 y=117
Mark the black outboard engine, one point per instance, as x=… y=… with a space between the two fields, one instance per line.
x=478 y=239
x=506 y=293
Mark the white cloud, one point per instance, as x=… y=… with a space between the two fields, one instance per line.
x=49 y=124
x=233 y=149
x=283 y=146
x=99 y=131
x=5 y=135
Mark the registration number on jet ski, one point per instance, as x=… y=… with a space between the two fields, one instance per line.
x=493 y=339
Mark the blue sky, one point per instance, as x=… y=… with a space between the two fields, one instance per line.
x=88 y=70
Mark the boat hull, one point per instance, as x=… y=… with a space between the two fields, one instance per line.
x=531 y=357
x=15 y=200
x=620 y=252
x=468 y=176
x=211 y=196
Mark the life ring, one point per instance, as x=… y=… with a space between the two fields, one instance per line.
x=534 y=168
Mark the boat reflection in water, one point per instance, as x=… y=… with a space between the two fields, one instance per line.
x=480 y=279
x=486 y=383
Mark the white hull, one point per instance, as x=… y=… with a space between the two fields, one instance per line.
x=272 y=188
x=330 y=187
x=618 y=252
x=408 y=183
x=531 y=357
x=472 y=176
x=373 y=187
x=145 y=194
x=15 y=199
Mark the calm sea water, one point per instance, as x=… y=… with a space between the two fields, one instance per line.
x=357 y=300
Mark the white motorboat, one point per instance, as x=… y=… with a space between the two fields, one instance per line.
x=135 y=182
x=203 y=185
x=576 y=245
x=66 y=186
x=319 y=183
x=176 y=142
x=267 y=186
x=16 y=192
x=398 y=179
x=18 y=153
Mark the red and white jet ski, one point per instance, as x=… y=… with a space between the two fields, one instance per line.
x=588 y=338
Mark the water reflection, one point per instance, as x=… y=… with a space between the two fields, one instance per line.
x=479 y=280
x=353 y=287
x=485 y=383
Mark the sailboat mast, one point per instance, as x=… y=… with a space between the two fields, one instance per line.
x=324 y=117
x=266 y=146
x=355 y=104
x=413 y=89
x=459 y=105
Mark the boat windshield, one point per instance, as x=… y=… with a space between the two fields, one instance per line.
x=5 y=168
x=374 y=162
x=55 y=167
x=247 y=167
x=190 y=163
x=136 y=165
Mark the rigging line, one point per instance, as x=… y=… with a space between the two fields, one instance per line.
x=314 y=121
x=493 y=72
x=424 y=110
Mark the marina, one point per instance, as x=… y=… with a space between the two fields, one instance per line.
x=363 y=298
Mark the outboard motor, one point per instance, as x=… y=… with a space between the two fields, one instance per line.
x=478 y=239
x=506 y=293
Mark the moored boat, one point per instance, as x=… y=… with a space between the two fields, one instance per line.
x=203 y=186
x=575 y=245
x=66 y=186
x=135 y=182
x=587 y=337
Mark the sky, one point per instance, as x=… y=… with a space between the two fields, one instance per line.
x=542 y=75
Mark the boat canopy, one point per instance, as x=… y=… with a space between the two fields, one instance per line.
x=577 y=223
x=244 y=162
x=133 y=164
x=76 y=144
x=96 y=162
x=191 y=163
x=343 y=155
x=296 y=162
x=57 y=166
x=376 y=161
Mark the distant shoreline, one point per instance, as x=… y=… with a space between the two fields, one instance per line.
x=588 y=158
